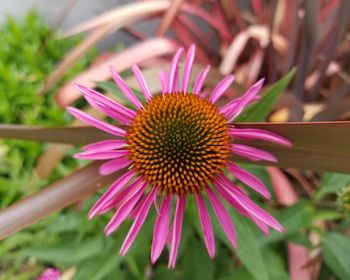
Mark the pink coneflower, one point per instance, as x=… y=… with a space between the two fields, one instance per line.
x=50 y=274
x=175 y=145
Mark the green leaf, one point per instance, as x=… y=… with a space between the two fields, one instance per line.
x=98 y=268
x=197 y=263
x=248 y=249
x=331 y=183
x=336 y=251
x=260 y=110
x=67 y=253
x=275 y=265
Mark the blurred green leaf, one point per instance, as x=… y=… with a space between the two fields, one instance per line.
x=336 y=251
x=332 y=183
x=197 y=263
x=248 y=249
x=260 y=110
x=275 y=265
x=68 y=252
x=98 y=268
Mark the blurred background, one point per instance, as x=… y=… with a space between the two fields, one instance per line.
x=301 y=47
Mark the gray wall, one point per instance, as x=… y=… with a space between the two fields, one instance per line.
x=51 y=9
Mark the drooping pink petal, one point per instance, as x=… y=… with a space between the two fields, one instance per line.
x=173 y=68
x=96 y=123
x=188 y=67
x=121 y=197
x=223 y=217
x=105 y=145
x=124 y=210
x=125 y=89
x=123 y=119
x=251 y=153
x=160 y=230
x=261 y=225
x=163 y=81
x=246 y=98
x=113 y=165
x=258 y=134
x=105 y=101
x=111 y=192
x=229 y=107
x=176 y=230
x=142 y=82
x=206 y=225
x=220 y=88
x=249 y=179
x=101 y=155
x=245 y=202
x=226 y=195
x=138 y=222
x=198 y=84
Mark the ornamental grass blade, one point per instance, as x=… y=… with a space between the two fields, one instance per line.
x=54 y=197
x=123 y=17
x=123 y=14
x=169 y=17
x=62 y=135
x=123 y=60
x=316 y=146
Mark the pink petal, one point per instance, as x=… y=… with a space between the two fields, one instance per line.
x=248 y=179
x=261 y=225
x=245 y=202
x=101 y=155
x=198 y=84
x=124 y=210
x=105 y=145
x=246 y=98
x=163 y=81
x=96 y=123
x=138 y=222
x=228 y=197
x=173 y=69
x=113 y=165
x=109 y=111
x=258 y=134
x=160 y=230
x=112 y=191
x=121 y=197
x=106 y=101
x=176 y=229
x=188 y=67
x=125 y=88
x=206 y=225
x=251 y=153
x=176 y=80
x=142 y=82
x=229 y=107
x=223 y=217
x=220 y=88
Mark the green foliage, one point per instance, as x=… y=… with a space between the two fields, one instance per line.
x=332 y=183
x=28 y=52
x=336 y=249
